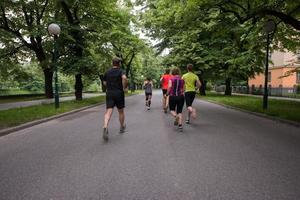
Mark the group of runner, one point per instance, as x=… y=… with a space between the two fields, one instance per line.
x=176 y=90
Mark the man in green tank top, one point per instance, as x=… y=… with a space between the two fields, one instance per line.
x=192 y=84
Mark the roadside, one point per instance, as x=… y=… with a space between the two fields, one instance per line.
x=278 y=108
x=270 y=97
x=16 y=103
x=16 y=116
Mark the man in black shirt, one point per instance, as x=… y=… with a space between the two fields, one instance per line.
x=116 y=82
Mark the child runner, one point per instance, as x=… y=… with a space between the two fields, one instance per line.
x=148 y=85
x=176 y=101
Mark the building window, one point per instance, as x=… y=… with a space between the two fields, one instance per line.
x=269 y=77
x=298 y=77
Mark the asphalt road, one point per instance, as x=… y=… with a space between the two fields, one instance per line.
x=224 y=154
x=6 y=106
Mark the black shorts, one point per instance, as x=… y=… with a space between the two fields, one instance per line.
x=115 y=98
x=189 y=98
x=164 y=91
x=176 y=102
x=147 y=95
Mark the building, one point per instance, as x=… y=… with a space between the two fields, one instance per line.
x=283 y=79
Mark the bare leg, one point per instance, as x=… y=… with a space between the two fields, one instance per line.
x=107 y=117
x=149 y=100
x=190 y=109
x=121 y=117
x=167 y=101
x=191 y=112
x=179 y=118
x=173 y=113
x=164 y=101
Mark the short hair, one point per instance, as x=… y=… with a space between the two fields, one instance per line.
x=175 y=71
x=148 y=79
x=189 y=67
x=116 y=61
x=168 y=71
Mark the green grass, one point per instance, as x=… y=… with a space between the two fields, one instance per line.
x=284 y=109
x=19 y=98
x=17 y=116
x=17 y=92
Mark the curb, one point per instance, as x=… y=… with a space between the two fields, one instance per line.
x=285 y=121
x=6 y=131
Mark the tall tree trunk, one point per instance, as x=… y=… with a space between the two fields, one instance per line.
x=102 y=83
x=78 y=87
x=203 y=87
x=228 y=87
x=203 y=82
x=48 y=75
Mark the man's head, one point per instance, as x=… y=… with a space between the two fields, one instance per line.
x=189 y=67
x=116 y=61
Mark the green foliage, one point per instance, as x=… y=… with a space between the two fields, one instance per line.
x=223 y=39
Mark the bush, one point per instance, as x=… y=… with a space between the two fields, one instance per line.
x=93 y=87
x=209 y=86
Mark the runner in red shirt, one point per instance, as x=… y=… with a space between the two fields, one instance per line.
x=164 y=85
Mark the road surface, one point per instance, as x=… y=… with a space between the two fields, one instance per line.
x=224 y=154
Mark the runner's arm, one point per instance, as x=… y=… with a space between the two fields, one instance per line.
x=169 y=87
x=104 y=80
x=124 y=82
x=161 y=80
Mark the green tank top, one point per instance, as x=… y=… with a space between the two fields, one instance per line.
x=190 y=80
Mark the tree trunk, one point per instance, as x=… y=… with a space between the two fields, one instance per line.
x=48 y=74
x=202 y=88
x=228 y=87
x=78 y=87
x=102 y=84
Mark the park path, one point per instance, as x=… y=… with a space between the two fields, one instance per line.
x=224 y=154
x=6 y=106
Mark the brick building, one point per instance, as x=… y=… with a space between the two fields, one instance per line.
x=278 y=81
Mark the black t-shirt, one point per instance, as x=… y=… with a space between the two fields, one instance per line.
x=113 y=78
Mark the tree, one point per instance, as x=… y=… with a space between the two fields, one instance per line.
x=23 y=33
x=87 y=21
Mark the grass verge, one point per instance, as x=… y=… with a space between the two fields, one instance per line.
x=284 y=109
x=28 y=97
x=17 y=116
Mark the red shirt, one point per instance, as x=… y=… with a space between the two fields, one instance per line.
x=165 y=81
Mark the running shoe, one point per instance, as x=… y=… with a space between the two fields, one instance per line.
x=187 y=121
x=148 y=108
x=105 y=134
x=122 y=129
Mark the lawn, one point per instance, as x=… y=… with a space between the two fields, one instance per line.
x=17 y=116
x=284 y=109
x=27 y=97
